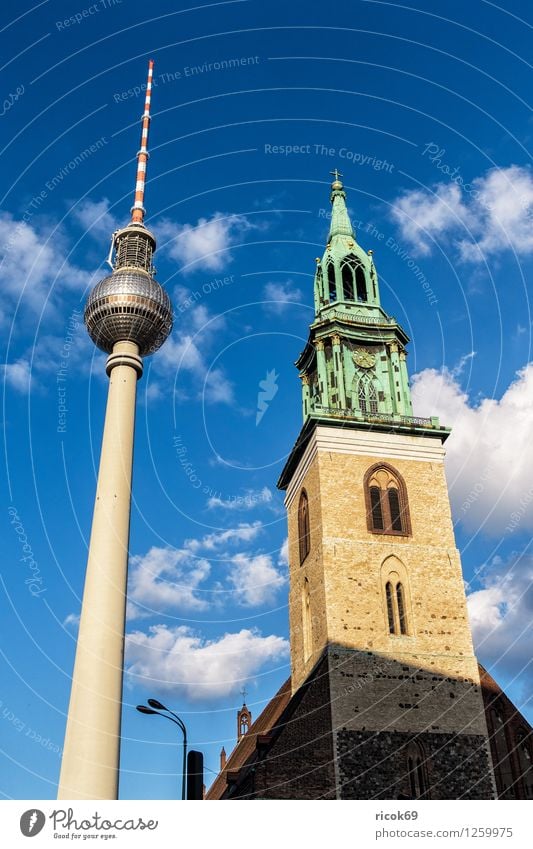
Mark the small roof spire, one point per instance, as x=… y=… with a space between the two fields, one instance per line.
x=244 y=717
x=340 y=220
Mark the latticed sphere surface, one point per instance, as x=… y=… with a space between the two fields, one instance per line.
x=128 y=306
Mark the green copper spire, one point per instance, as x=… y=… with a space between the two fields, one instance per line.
x=340 y=220
x=354 y=364
x=346 y=274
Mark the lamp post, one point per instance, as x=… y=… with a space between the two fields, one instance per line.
x=155 y=708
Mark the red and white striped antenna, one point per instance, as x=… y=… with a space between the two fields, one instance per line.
x=138 y=210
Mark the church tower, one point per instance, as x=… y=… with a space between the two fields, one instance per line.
x=377 y=605
x=384 y=700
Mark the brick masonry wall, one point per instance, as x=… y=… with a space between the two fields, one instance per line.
x=426 y=681
x=299 y=763
x=313 y=570
x=374 y=766
x=372 y=691
x=511 y=742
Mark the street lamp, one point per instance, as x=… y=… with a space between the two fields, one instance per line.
x=155 y=708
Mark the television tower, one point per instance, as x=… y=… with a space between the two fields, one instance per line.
x=128 y=315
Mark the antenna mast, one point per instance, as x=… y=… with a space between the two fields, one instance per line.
x=138 y=210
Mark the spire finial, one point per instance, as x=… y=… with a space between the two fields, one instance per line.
x=336 y=182
x=138 y=210
x=243 y=694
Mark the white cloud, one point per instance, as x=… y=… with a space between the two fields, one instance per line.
x=205 y=245
x=504 y=213
x=169 y=578
x=423 y=215
x=501 y=617
x=166 y=578
x=33 y=264
x=217 y=388
x=95 y=217
x=71 y=621
x=244 y=532
x=17 y=375
x=182 y=352
x=186 y=353
x=492 y=214
x=283 y=559
x=154 y=392
x=252 y=498
x=281 y=295
x=255 y=579
x=181 y=661
x=490 y=450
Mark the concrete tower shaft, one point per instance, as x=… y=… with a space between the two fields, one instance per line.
x=128 y=315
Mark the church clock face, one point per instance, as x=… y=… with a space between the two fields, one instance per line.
x=364 y=359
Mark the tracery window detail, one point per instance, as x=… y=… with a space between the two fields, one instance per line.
x=386 y=500
x=367 y=396
x=353 y=280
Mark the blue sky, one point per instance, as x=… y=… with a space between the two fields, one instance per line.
x=424 y=110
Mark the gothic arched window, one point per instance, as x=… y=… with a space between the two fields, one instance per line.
x=304 y=536
x=400 y=606
x=503 y=767
x=386 y=501
x=347 y=273
x=360 y=282
x=332 y=286
x=396 y=605
x=416 y=772
x=390 y=607
x=367 y=396
x=394 y=583
x=353 y=280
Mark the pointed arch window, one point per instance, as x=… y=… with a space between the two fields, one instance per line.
x=389 y=593
x=396 y=604
x=347 y=273
x=332 y=286
x=400 y=607
x=394 y=582
x=386 y=501
x=500 y=753
x=304 y=536
x=367 y=396
x=353 y=278
x=360 y=283
x=416 y=772
x=375 y=506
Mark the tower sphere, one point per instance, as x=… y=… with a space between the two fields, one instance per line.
x=128 y=305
